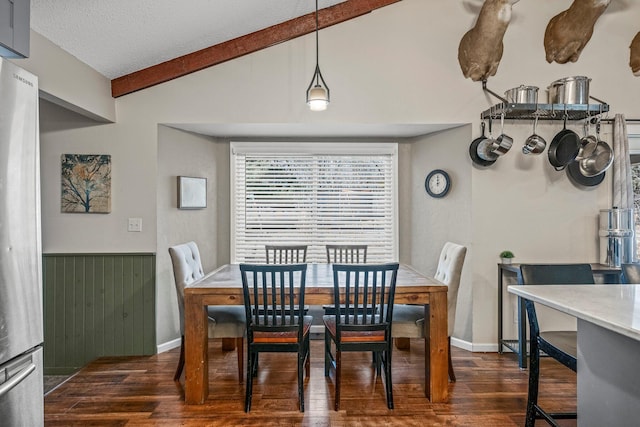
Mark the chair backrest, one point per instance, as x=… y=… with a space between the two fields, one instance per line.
x=187 y=268
x=630 y=273
x=549 y=274
x=368 y=291
x=347 y=254
x=449 y=271
x=274 y=298
x=286 y=254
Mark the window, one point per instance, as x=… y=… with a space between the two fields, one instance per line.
x=313 y=194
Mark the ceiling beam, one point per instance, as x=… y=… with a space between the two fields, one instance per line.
x=241 y=46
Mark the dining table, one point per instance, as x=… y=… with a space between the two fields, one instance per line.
x=223 y=286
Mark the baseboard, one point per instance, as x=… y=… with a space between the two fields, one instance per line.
x=465 y=345
x=170 y=345
x=474 y=347
x=485 y=348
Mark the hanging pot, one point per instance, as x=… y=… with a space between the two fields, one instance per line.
x=564 y=148
x=588 y=143
x=503 y=142
x=535 y=144
x=575 y=174
x=600 y=159
x=487 y=158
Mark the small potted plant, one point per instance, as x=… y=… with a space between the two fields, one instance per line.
x=506 y=257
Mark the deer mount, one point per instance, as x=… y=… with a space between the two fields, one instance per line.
x=566 y=35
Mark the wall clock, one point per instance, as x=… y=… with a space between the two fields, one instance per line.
x=437 y=183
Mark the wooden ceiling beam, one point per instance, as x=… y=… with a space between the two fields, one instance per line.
x=243 y=45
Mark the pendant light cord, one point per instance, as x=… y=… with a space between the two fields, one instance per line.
x=317 y=45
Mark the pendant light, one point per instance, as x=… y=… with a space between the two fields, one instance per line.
x=318 y=93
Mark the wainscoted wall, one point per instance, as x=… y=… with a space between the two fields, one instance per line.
x=97 y=305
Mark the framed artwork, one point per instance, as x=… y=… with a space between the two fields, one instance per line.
x=86 y=183
x=192 y=192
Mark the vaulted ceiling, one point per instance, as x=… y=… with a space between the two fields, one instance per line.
x=138 y=44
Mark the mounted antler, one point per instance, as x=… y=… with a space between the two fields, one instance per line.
x=481 y=47
x=634 y=61
x=569 y=32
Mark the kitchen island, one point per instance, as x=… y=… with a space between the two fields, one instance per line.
x=608 y=347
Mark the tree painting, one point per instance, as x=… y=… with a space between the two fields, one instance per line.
x=86 y=183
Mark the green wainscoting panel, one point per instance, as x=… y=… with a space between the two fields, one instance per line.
x=97 y=305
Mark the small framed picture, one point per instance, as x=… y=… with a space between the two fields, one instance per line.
x=192 y=192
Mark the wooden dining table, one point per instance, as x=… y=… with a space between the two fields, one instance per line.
x=224 y=287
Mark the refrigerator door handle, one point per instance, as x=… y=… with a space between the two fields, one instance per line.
x=16 y=379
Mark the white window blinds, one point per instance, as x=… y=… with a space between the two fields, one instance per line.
x=315 y=200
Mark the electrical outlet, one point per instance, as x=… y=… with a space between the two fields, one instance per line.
x=135 y=224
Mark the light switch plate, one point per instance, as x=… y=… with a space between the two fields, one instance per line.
x=135 y=224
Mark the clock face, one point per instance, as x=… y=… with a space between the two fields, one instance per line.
x=437 y=183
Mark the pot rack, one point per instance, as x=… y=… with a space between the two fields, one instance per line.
x=511 y=110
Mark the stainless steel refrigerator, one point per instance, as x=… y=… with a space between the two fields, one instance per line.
x=21 y=329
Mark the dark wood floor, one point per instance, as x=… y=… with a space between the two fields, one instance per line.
x=139 y=391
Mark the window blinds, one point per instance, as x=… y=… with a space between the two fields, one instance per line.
x=313 y=200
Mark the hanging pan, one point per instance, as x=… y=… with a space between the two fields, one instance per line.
x=575 y=174
x=487 y=158
x=564 y=147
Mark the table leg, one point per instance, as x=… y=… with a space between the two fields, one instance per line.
x=196 y=382
x=522 y=334
x=499 y=309
x=436 y=348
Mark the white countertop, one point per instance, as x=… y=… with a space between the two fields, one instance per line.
x=613 y=307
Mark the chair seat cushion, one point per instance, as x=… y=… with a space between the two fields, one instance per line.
x=408 y=321
x=282 y=337
x=226 y=321
x=351 y=336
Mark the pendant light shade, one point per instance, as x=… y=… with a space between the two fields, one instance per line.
x=318 y=91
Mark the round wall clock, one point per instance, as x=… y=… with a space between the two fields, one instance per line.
x=437 y=183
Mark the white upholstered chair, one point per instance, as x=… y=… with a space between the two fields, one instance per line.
x=224 y=321
x=408 y=320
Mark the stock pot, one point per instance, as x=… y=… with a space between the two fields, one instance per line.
x=569 y=90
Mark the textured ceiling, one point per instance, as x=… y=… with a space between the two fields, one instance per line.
x=118 y=37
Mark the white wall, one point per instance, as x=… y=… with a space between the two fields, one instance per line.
x=407 y=52
x=185 y=154
x=435 y=221
x=70 y=83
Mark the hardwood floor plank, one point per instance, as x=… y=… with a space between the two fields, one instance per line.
x=139 y=391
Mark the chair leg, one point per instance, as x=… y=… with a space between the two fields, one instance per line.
x=254 y=368
x=228 y=344
x=249 y=384
x=387 y=374
x=240 y=350
x=338 y=378
x=452 y=375
x=307 y=364
x=301 y=363
x=327 y=352
x=532 y=395
x=176 y=376
x=403 y=343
